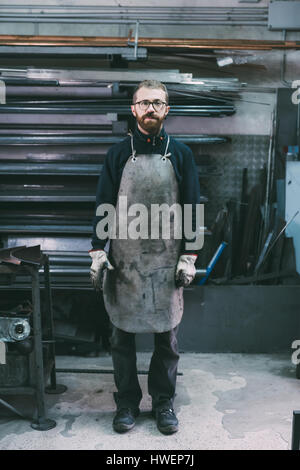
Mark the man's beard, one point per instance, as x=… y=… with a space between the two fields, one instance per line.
x=150 y=125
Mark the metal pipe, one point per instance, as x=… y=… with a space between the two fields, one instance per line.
x=77 y=127
x=45 y=198
x=65 y=229
x=123 y=11
x=94 y=140
x=50 y=169
x=134 y=9
x=266 y=209
x=283 y=62
x=150 y=22
x=175 y=110
x=213 y=261
x=72 y=92
x=38 y=350
x=188 y=43
x=78 y=254
x=59 y=169
x=121 y=8
x=77 y=271
x=169 y=19
x=11 y=408
x=78 y=260
x=136 y=15
x=48 y=196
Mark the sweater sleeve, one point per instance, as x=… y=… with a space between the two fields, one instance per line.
x=191 y=196
x=105 y=194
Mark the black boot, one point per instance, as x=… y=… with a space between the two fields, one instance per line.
x=166 y=420
x=124 y=419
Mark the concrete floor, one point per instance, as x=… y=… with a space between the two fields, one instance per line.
x=224 y=401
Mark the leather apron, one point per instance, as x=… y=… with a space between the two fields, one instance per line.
x=140 y=295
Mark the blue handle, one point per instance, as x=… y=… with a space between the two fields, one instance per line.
x=211 y=265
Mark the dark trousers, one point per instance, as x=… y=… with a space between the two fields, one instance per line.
x=162 y=371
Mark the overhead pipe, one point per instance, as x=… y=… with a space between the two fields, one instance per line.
x=226 y=13
x=94 y=140
x=142 y=21
x=193 y=44
x=120 y=8
x=64 y=92
x=176 y=110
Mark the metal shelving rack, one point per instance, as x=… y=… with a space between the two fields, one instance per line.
x=40 y=367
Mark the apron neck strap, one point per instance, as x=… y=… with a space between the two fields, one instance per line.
x=133 y=154
x=134 y=151
x=167 y=146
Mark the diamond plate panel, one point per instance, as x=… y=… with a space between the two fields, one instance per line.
x=229 y=160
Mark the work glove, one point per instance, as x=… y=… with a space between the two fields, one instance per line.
x=185 y=270
x=99 y=264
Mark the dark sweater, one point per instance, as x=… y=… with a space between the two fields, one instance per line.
x=181 y=158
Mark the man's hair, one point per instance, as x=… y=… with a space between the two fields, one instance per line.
x=155 y=84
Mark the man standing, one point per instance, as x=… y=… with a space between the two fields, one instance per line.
x=144 y=280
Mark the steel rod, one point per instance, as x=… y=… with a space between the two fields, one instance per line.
x=178 y=43
x=11 y=408
x=38 y=351
x=123 y=110
x=91 y=140
x=120 y=8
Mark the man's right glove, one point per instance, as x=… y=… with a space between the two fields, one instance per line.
x=99 y=264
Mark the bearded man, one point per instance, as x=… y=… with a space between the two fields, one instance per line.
x=144 y=280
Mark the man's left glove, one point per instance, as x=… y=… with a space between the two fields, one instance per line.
x=185 y=270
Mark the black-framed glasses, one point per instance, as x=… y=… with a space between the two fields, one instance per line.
x=157 y=104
